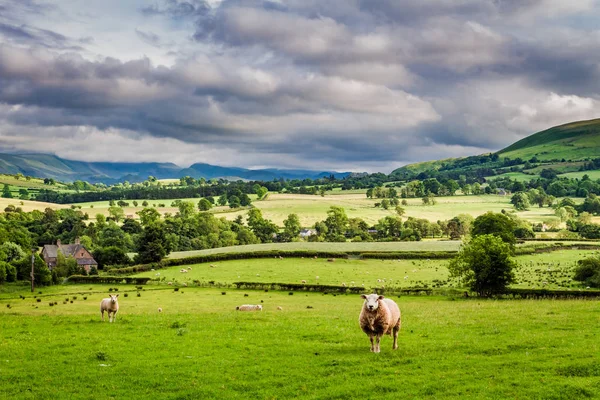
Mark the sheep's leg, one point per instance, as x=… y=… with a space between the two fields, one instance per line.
x=110 y=317
x=377 y=349
x=372 y=347
x=395 y=334
x=102 y=312
x=115 y=316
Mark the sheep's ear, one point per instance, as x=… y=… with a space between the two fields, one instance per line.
x=381 y=297
x=364 y=296
x=117 y=296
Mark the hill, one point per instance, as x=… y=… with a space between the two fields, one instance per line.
x=562 y=148
x=573 y=142
x=50 y=166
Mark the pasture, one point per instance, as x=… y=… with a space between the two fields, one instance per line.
x=545 y=270
x=313 y=208
x=200 y=347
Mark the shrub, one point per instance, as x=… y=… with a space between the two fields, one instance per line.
x=588 y=271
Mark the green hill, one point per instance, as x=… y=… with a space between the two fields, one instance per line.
x=574 y=141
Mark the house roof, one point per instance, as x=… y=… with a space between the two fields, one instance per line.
x=68 y=250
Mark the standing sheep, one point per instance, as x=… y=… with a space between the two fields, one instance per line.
x=380 y=316
x=111 y=306
x=249 y=307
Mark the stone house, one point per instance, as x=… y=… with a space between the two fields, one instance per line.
x=76 y=250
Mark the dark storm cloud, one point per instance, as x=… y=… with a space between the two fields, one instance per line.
x=337 y=82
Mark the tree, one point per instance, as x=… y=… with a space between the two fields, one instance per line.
x=234 y=202
x=111 y=255
x=186 y=209
x=204 y=205
x=222 y=200
x=262 y=228
x=400 y=211
x=153 y=245
x=291 y=228
x=148 y=216
x=116 y=213
x=521 y=201
x=6 y=193
x=336 y=221
x=495 y=224
x=588 y=271
x=41 y=272
x=484 y=265
x=11 y=252
x=261 y=191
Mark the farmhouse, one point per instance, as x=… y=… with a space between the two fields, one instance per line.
x=75 y=250
x=304 y=233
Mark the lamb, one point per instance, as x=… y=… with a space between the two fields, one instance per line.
x=111 y=306
x=249 y=307
x=380 y=316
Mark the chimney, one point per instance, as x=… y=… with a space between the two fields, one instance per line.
x=77 y=241
x=58 y=242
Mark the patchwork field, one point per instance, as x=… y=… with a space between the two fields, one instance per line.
x=200 y=347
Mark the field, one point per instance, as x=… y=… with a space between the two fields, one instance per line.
x=425 y=245
x=594 y=175
x=546 y=270
x=200 y=347
x=517 y=176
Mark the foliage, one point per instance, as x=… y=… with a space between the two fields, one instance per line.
x=588 y=271
x=484 y=265
x=111 y=255
x=495 y=224
x=152 y=244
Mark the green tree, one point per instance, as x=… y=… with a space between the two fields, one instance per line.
x=262 y=228
x=116 y=213
x=6 y=193
x=204 y=205
x=41 y=274
x=291 y=228
x=148 y=216
x=400 y=211
x=153 y=245
x=234 y=202
x=186 y=209
x=336 y=221
x=222 y=200
x=588 y=271
x=521 y=201
x=495 y=224
x=111 y=255
x=484 y=265
x=11 y=252
x=261 y=191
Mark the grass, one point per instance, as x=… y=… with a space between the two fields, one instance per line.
x=200 y=347
x=546 y=270
x=517 y=176
x=425 y=245
x=29 y=205
x=594 y=175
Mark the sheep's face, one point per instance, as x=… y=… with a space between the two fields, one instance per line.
x=113 y=298
x=372 y=301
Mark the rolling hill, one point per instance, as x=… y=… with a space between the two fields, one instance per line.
x=573 y=142
x=50 y=166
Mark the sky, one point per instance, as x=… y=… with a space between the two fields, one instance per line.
x=345 y=85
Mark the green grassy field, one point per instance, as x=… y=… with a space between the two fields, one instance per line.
x=546 y=270
x=517 y=176
x=594 y=175
x=425 y=245
x=200 y=347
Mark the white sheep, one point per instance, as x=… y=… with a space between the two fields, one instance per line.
x=380 y=316
x=303 y=281
x=111 y=306
x=159 y=309
x=279 y=308
x=249 y=307
x=169 y=283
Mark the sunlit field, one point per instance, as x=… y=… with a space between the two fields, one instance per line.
x=200 y=347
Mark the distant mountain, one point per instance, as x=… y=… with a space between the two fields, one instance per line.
x=573 y=141
x=50 y=166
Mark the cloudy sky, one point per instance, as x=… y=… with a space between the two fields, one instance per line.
x=359 y=85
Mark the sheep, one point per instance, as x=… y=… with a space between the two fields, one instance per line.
x=249 y=307
x=169 y=283
x=111 y=306
x=279 y=308
x=380 y=316
x=303 y=281
x=159 y=309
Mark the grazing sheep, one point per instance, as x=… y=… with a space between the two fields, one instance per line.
x=249 y=307
x=184 y=284
x=279 y=308
x=213 y=266
x=159 y=309
x=344 y=284
x=169 y=283
x=380 y=316
x=111 y=306
x=303 y=281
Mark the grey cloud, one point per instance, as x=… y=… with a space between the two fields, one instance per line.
x=178 y=9
x=148 y=37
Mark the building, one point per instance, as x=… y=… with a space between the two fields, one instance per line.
x=304 y=233
x=76 y=250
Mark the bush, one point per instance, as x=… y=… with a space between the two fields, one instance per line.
x=588 y=271
x=3 y=271
x=107 y=279
x=11 y=273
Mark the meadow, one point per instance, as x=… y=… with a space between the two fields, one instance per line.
x=552 y=270
x=200 y=347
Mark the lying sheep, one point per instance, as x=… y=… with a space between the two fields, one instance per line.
x=279 y=308
x=303 y=281
x=159 y=309
x=380 y=316
x=249 y=307
x=111 y=306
